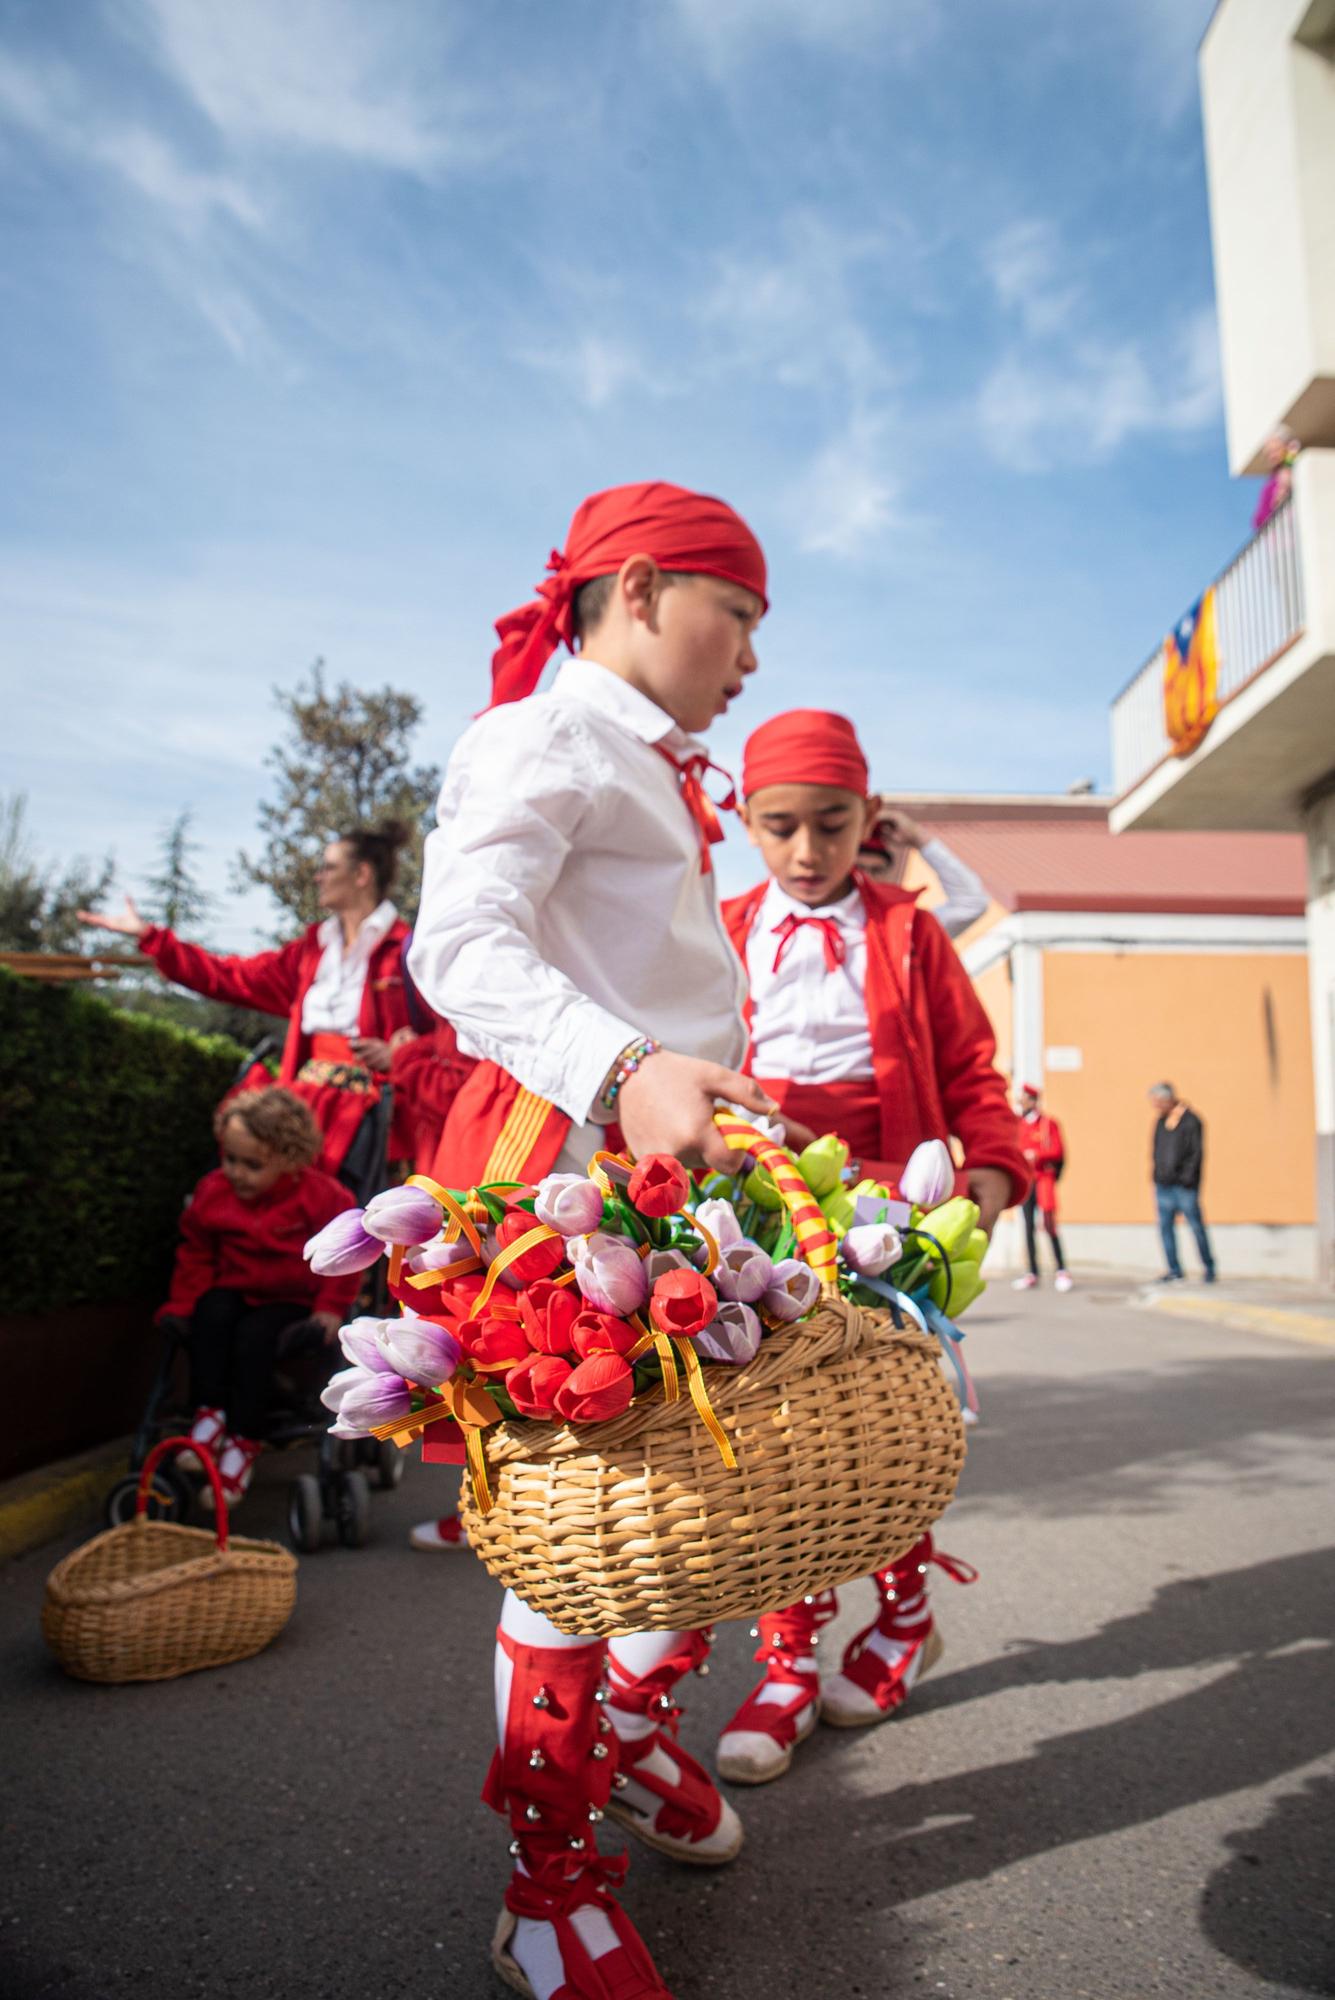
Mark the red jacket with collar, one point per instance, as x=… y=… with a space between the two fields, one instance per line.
x=277 y=982
x=933 y=1050
x=254 y=1247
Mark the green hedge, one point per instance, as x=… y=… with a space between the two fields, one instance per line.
x=105 y=1126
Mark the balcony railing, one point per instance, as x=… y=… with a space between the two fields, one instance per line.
x=1258 y=613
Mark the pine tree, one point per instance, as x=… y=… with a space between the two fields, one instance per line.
x=343 y=763
x=174 y=896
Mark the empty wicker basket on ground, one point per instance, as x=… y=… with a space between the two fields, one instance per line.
x=849 y=1445
x=149 y=1600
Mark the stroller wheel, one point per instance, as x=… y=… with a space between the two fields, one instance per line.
x=304 y=1513
x=352 y=1509
x=169 y=1498
x=389 y=1466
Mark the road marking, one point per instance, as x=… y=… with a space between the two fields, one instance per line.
x=1315 y=1329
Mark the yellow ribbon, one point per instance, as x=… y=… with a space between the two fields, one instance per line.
x=511 y=1255
x=419 y=1280
x=472 y=1408
x=695 y=1383
x=601 y=1180
x=662 y=1347
x=460 y=1222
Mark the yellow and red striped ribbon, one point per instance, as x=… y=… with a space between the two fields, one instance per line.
x=815 y=1239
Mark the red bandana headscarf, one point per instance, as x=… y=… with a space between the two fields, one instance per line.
x=682 y=531
x=807 y=746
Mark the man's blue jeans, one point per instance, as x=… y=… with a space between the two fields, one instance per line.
x=1175 y=1201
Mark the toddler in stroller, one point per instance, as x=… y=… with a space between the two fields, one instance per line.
x=240 y=1281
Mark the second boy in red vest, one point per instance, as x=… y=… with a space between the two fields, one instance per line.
x=862 y=1021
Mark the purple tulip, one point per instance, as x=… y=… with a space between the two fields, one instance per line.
x=793 y=1290
x=744 y=1272
x=361 y=1405
x=438 y=1256
x=342 y=1246
x=419 y=1349
x=870 y=1248
x=929 y=1176
x=720 y=1219
x=406 y=1215
x=660 y=1261
x=608 y=1272
x=570 y=1203
x=734 y=1335
x=360 y=1341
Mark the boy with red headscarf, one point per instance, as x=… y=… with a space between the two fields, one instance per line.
x=862 y=1021
x=569 y=930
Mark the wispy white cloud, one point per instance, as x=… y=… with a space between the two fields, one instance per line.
x=372 y=84
x=847 y=500
x=1066 y=390
x=50 y=103
x=1079 y=405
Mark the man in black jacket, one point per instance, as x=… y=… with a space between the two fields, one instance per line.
x=1179 y=1158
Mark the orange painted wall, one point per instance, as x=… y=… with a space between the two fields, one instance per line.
x=1231 y=1031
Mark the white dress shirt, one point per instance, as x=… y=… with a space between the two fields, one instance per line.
x=965 y=897
x=333 y=1003
x=563 y=909
x=808 y=1023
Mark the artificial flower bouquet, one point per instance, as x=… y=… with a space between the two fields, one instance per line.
x=563 y=1302
x=676 y=1403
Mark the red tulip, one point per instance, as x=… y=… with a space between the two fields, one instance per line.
x=534 y=1384
x=598 y=1389
x=548 y=1313
x=659 y=1185
x=682 y=1303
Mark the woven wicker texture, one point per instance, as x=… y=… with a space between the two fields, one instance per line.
x=849 y=1446
x=150 y=1600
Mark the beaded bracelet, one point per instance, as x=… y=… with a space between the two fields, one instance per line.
x=627 y=1063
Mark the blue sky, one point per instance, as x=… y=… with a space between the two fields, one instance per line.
x=316 y=319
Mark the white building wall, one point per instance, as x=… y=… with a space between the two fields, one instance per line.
x=1268 y=101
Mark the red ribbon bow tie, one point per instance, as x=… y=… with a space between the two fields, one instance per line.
x=831 y=937
x=703 y=810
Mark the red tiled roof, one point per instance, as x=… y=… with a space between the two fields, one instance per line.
x=1070 y=861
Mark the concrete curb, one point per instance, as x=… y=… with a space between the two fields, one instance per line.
x=41 y=1506
x=1280 y=1322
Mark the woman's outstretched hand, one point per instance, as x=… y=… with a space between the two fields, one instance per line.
x=128 y=924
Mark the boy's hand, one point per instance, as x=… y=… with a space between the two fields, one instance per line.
x=990 y=1187
x=667 y=1106
x=796 y=1136
x=902 y=830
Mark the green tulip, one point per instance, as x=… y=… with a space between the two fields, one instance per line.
x=977 y=1246
x=838 y=1210
x=952 y=1224
x=966 y=1283
x=759 y=1187
x=821 y=1164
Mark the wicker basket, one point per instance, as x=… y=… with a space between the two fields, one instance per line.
x=148 y=1600
x=849 y=1445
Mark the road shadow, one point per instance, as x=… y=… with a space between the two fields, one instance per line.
x=1126 y=1438
x=1271 y=1628
x=1271 y=1907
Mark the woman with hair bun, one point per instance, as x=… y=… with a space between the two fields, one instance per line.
x=340 y=983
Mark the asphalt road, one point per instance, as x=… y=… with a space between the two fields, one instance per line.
x=1118 y=1783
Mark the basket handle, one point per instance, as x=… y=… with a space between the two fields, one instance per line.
x=151 y=1464
x=815 y=1238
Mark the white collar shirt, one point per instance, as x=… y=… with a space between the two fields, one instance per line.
x=564 y=909
x=809 y=1021
x=333 y=1002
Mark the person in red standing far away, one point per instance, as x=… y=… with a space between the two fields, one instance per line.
x=1045 y=1152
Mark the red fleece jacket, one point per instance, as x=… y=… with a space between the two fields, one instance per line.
x=933 y=1050
x=254 y=1247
